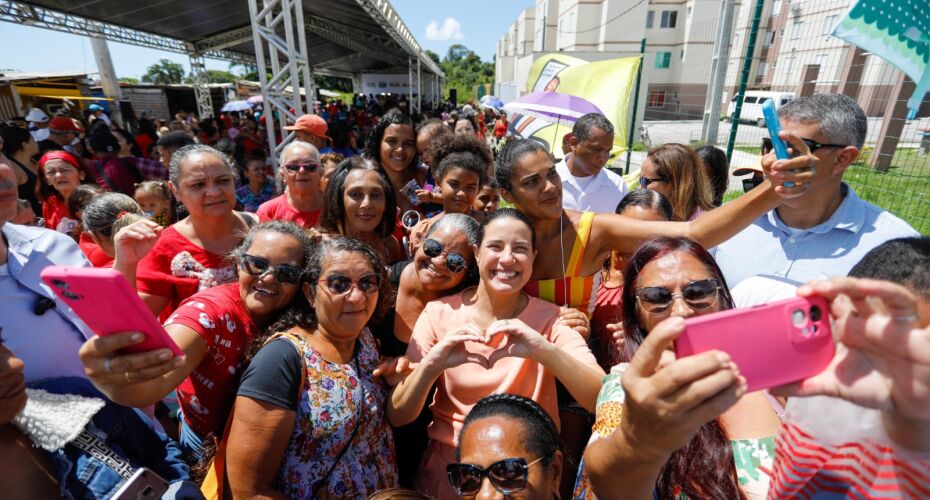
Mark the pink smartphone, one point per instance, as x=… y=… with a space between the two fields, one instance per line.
x=771 y=344
x=104 y=300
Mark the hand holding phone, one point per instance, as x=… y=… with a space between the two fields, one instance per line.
x=143 y=485
x=772 y=344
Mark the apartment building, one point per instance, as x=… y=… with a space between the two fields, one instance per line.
x=794 y=51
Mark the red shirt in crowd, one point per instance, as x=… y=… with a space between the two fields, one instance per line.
x=176 y=268
x=57 y=216
x=221 y=319
x=144 y=141
x=279 y=209
x=93 y=252
x=500 y=128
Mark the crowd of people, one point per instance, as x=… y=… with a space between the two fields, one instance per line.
x=423 y=306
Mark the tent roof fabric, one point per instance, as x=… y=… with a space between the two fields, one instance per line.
x=196 y=22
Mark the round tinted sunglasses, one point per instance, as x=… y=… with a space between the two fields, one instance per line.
x=310 y=167
x=258 y=267
x=507 y=476
x=699 y=295
x=454 y=261
x=339 y=284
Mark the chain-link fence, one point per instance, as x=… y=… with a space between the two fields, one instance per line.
x=794 y=55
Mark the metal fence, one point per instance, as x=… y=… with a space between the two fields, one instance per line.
x=794 y=54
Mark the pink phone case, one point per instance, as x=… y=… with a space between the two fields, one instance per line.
x=771 y=344
x=104 y=300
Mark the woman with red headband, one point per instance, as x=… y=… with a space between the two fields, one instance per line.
x=60 y=172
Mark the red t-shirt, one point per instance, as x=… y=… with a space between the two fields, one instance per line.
x=176 y=268
x=279 y=209
x=144 y=141
x=221 y=319
x=93 y=252
x=57 y=216
x=500 y=129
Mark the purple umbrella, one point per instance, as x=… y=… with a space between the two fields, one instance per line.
x=552 y=106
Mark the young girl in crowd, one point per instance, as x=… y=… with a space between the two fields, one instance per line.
x=154 y=197
x=489 y=197
x=460 y=166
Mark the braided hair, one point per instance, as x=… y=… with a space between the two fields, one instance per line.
x=541 y=436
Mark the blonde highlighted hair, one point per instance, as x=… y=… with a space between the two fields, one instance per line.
x=679 y=166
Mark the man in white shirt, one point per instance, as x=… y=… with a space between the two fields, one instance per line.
x=586 y=185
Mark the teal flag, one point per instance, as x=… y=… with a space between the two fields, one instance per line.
x=898 y=31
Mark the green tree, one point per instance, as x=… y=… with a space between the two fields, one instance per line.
x=434 y=56
x=163 y=73
x=129 y=79
x=464 y=69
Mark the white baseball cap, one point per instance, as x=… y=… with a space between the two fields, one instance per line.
x=36 y=115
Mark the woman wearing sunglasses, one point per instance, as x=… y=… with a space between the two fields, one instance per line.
x=676 y=171
x=487 y=339
x=667 y=446
x=300 y=173
x=460 y=166
x=308 y=420
x=213 y=328
x=508 y=448
x=360 y=204
x=191 y=254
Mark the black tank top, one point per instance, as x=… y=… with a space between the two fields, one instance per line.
x=27 y=190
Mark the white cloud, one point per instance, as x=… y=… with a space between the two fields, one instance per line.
x=450 y=30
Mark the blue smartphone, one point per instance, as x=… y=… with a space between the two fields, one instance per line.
x=771 y=121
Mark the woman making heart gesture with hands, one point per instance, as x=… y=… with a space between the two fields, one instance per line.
x=511 y=343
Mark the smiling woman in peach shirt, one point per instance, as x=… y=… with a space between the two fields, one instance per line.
x=489 y=339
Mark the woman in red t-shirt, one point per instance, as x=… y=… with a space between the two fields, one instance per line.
x=101 y=219
x=190 y=255
x=213 y=328
x=60 y=173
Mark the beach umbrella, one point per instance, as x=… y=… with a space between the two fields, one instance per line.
x=553 y=107
x=255 y=99
x=493 y=103
x=898 y=31
x=237 y=106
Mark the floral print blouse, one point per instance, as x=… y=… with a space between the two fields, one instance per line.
x=333 y=397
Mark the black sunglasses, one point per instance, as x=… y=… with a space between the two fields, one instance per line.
x=812 y=145
x=258 y=267
x=454 y=261
x=645 y=181
x=698 y=295
x=507 y=476
x=310 y=167
x=338 y=284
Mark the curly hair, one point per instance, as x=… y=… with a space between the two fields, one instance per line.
x=373 y=145
x=461 y=151
x=540 y=435
x=509 y=156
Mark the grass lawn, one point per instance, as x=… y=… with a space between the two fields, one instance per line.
x=904 y=190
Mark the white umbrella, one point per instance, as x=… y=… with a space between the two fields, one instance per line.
x=236 y=106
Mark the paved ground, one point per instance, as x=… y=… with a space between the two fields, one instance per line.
x=686 y=131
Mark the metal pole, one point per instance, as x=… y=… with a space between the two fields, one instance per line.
x=107 y=75
x=419 y=88
x=632 y=131
x=409 y=86
x=744 y=76
x=718 y=74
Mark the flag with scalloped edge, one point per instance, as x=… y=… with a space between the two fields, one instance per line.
x=898 y=31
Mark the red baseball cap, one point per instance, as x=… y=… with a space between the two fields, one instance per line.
x=312 y=124
x=62 y=123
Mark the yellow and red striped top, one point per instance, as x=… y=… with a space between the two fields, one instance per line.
x=582 y=290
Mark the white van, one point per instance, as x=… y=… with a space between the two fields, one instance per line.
x=752 y=105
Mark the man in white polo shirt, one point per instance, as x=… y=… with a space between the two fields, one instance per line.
x=586 y=185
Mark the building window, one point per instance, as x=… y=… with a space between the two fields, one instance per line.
x=796 y=29
x=689 y=11
x=829 y=23
x=663 y=60
x=656 y=99
x=776 y=8
x=762 y=69
x=650 y=18
x=669 y=18
x=769 y=39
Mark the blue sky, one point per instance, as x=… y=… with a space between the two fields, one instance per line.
x=477 y=24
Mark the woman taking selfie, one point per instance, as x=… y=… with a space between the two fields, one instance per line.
x=675 y=453
x=393 y=145
x=191 y=254
x=488 y=339
x=309 y=415
x=213 y=328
